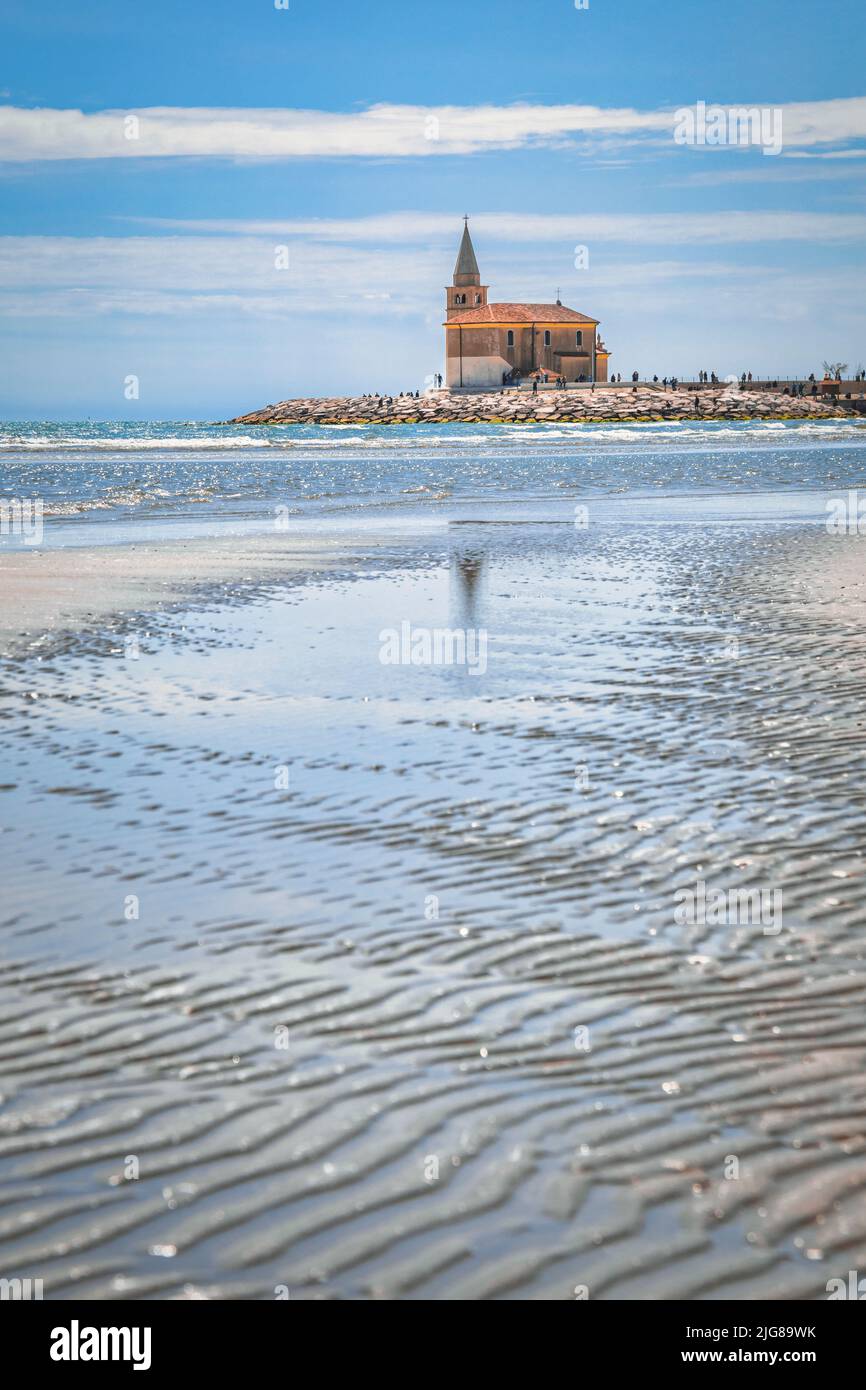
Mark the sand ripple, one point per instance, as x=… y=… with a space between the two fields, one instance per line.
x=433 y=1126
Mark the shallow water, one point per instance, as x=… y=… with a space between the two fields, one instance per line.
x=423 y=1022
x=167 y=472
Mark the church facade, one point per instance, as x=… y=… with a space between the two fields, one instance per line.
x=487 y=344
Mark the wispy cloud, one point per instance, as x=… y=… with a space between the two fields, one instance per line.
x=807 y=169
x=236 y=277
x=71 y=276
x=382 y=131
x=660 y=228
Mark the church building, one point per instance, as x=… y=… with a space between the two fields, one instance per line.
x=489 y=344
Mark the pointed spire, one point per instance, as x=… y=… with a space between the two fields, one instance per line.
x=466 y=270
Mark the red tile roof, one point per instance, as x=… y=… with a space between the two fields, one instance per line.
x=520 y=313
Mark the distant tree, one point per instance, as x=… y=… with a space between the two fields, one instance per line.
x=835 y=369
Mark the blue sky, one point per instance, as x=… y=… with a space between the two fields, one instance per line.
x=355 y=136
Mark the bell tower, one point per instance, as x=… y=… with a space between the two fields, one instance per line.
x=466 y=290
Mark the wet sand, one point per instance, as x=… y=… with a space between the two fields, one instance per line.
x=296 y=945
x=54 y=590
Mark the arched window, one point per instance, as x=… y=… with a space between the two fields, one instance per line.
x=478 y=299
x=510 y=338
x=547 y=337
x=578 y=339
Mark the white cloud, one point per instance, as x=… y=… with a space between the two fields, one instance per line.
x=191 y=277
x=70 y=276
x=659 y=228
x=383 y=131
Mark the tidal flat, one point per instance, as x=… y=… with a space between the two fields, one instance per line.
x=335 y=977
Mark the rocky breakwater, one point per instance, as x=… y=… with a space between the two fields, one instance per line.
x=625 y=403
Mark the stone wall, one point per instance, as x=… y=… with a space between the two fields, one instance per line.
x=611 y=403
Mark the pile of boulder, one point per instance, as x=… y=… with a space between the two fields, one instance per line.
x=620 y=402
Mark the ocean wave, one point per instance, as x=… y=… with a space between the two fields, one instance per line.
x=131 y=444
x=442 y=434
x=131 y=497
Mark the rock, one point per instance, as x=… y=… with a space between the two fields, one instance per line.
x=606 y=403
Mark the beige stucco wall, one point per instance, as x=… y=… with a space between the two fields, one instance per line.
x=563 y=339
x=491 y=340
x=477 y=371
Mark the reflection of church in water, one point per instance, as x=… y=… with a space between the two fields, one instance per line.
x=467 y=568
x=487 y=344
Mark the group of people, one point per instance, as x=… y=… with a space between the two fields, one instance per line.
x=560 y=383
x=389 y=400
x=513 y=378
